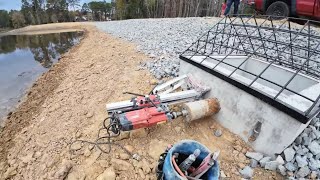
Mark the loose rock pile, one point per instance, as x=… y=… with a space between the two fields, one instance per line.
x=164 y=39
x=300 y=160
x=161 y=39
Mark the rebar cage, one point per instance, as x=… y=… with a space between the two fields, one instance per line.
x=275 y=60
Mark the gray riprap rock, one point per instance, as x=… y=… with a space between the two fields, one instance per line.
x=271 y=165
x=313 y=121
x=264 y=160
x=253 y=163
x=315 y=131
x=309 y=155
x=317 y=124
x=314 y=164
x=222 y=174
x=307 y=130
x=301 y=160
x=298 y=140
x=291 y=167
x=254 y=155
x=314 y=147
x=218 y=133
x=302 y=151
x=303 y=134
x=282 y=170
x=289 y=154
x=306 y=141
x=303 y=172
x=296 y=147
x=313 y=136
x=280 y=160
x=246 y=172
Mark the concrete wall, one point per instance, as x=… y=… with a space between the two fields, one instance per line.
x=240 y=112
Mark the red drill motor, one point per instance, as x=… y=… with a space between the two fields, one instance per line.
x=148 y=111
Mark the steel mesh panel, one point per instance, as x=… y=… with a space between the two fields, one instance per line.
x=295 y=48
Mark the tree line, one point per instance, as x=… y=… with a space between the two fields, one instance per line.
x=35 y=12
x=51 y=11
x=127 y=9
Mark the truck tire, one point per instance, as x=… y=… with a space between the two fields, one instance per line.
x=278 y=9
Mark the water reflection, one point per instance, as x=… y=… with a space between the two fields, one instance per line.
x=45 y=48
x=24 y=58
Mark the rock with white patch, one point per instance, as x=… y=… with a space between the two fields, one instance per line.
x=314 y=147
x=282 y=170
x=290 y=166
x=301 y=160
x=303 y=172
x=289 y=154
x=246 y=172
x=254 y=155
x=264 y=160
x=271 y=165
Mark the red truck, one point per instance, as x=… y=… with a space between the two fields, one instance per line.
x=300 y=8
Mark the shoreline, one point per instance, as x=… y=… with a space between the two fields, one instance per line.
x=46 y=29
x=51 y=105
x=52 y=46
x=45 y=84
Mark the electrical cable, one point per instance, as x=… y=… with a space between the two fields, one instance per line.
x=177 y=167
x=114 y=128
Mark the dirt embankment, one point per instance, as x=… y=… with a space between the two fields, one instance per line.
x=68 y=103
x=45 y=29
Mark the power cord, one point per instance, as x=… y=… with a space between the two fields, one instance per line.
x=113 y=130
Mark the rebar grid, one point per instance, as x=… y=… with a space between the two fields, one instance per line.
x=277 y=43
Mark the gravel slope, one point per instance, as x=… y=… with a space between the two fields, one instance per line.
x=161 y=39
x=164 y=39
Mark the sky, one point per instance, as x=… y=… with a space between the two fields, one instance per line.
x=16 y=4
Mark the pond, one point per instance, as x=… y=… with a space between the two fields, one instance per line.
x=23 y=58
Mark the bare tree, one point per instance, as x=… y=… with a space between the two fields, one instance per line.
x=74 y=4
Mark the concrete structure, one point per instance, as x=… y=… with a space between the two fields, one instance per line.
x=266 y=77
x=240 y=111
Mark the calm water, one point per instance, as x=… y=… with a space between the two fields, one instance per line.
x=24 y=58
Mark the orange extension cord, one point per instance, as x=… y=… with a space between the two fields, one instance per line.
x=177 y=167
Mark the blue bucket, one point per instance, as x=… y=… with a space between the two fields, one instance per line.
x=188 y=147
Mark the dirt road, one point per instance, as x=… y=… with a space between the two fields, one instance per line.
x=68 y=103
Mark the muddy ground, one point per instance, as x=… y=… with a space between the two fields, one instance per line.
x=68 y=103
